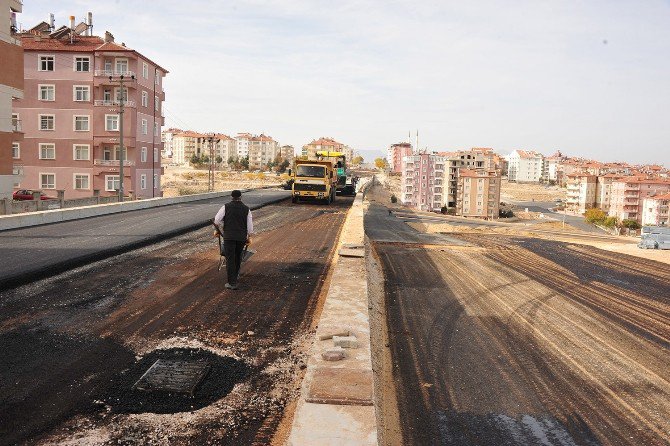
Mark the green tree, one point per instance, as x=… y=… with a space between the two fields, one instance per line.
x=195 y=160
x=245 y=162
x=630 y=224
x=595 y=215
x=218 y=159
x=610 y=222
x=284 y=165
x=394 y=199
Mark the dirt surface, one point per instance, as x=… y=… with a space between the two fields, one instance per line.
x=503 y=340
x=529 y=192
x=185 y=180
x=74 y=344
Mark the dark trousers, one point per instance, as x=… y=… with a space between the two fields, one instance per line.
x=233 y=250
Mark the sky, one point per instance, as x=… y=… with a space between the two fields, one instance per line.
x=591 y=78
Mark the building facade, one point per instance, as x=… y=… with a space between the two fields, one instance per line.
x=11 y=89
x=475 y=159
x=422 y=181
x=478 y=193
x=262 y=150
x=655 y=210
x=166 y=139
x=326 y=144
x=581 y=193
x=395 y=155
x=70 y=114
x=628 y=196
x=525 y=166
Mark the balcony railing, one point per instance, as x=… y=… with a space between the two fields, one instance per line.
x=112 y=163
x=16 y=125
x=105 y=103
x=115 y=73
x=17 y=169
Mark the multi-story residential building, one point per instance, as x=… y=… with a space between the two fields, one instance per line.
x=186 y=144
x=478 y=193
x=287 y=153
x=11 y=88
x=70 y=114
x=551 y=166
x=326 y=144
x=604 y=191
x=166 y=139
x=242 y=141
x=525 y=166
x=581 y=193
x=476 y=158
x=226 y=147
x=655 y=210
x=422 y=181
x=262 y=150
x=396 y=153
x=628 y=195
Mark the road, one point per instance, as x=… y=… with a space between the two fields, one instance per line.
x=500 y=340
x=39 y=251
x=74 y=344
x=573 y=220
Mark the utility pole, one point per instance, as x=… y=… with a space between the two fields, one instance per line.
x=122 y=98
x=212 y=140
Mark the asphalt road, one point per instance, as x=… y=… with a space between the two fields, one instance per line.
x=521 y=341
x=39 y=251
x=74 y=344
x=573 y=220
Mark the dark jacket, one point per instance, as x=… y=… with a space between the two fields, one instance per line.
x=235 y=221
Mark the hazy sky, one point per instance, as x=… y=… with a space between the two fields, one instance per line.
x=591 y=78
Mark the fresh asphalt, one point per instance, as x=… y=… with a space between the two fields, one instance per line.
x=35 y=252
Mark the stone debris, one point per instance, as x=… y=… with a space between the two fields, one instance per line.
x=334 y=354
x=330 y=333
x=345 y=341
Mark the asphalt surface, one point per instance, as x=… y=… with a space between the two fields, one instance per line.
x=573 y=220
x=521 y=341
x=74 y=344
x=39 y=251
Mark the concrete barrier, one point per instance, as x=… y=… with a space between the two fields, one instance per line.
x=58 y=215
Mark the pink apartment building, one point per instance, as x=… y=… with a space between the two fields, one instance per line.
x=70 y=118
x=396 y=153
x=422 y=181
x=655 y=210
x=628 y=195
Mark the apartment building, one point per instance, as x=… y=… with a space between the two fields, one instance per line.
x=478 y=193
x=395 y=155
x=226 y=147
x=262 y=150
x=476 y=158
x=166 y=139
x=185 y=144
x=422 y=181
x=655 y=210
x=581 y=192
x=525 y=166
x=604 y=191
x=326 y=144
x=11 y=89
x=287 y=153
x=552 y=165
x=70 y=114
x=628 y=195
x=242 y=141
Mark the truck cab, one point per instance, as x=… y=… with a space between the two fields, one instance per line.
x=314 y=180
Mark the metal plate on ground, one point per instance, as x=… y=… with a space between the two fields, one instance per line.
x=168 y=375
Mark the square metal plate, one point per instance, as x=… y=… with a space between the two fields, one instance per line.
x=173 y=376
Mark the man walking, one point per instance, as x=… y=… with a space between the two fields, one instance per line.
x=237 y=229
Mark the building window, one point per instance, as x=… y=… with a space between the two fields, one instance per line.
x=47 y=181
x=145 y=129
x=156 y=131
x=16 y=150
x=81 y=181
x=81 y=152
x=155 y=155
x=157 y=79
x=47 y=92
x=47 y=151
x=81 y=124
x=145 y=99
x=82 y=64
x=145 y=70
x=121 y=94
x=157 y=102
x=47 y=122
x=121 y=66
x=143 y=181
x=143 y=155
x=81 y=93
x=46 y=63
x=112 y=123
x=155 y=181
x=112 y=183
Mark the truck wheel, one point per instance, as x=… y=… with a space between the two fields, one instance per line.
x=294 y=199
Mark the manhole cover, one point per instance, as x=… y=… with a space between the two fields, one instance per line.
x=173 y=376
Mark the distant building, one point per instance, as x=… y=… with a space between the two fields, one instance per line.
x=655 y=210
x=326 y=144
x=478 y=193
x=166 y=139
x=226 y=147
x=396 y=153
x=604 y=191
x=525 y=166
x=11 y=89
x=69 y=114
x=421 y=182
x=186 y=144
x=628 y=195
x=262 y=150
x=476 y=159
x=287 y=153
x=581 y=193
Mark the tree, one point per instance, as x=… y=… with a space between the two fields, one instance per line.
x=284 y=165
x=394 y=199
x=595 y=215
x=195 y=160
x=630 y=224
x=245 y=162
x=610 y=222
x=381 y=163
x=357 y=160
x=218 y=159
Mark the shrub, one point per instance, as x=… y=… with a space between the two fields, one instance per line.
x=610 y=222
x=186 y=191
x=630 y=224
x=444 y=209
x=505 y=213
x=394 y=199
x=595 y=216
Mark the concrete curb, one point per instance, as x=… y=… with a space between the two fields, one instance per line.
x=59 y=215
x=336 y=403
x=60 y=267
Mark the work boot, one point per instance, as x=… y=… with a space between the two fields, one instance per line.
x=231 y=287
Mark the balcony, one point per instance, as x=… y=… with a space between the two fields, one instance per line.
x=16 y=125
x=104 y=103
x=112 y=163
x=114 y=73
x=17 y=169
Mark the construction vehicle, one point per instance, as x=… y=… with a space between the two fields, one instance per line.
x=314 y=180
x=655 y=237
x=340 y=162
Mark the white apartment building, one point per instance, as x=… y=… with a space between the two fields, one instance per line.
x=525 y=166
x=655 y=210
x=226 y=147
x=243 y=142
x=262 y=150
x=166 y=139
x=581 y=193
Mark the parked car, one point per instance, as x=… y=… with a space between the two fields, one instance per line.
x=27 y=194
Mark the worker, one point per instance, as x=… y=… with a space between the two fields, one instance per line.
x=237 y=229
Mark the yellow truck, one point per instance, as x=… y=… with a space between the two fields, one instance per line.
x=314 y=180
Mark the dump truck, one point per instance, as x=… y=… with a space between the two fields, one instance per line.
x=314 y=180
x=655 y=237
x=340 y=162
